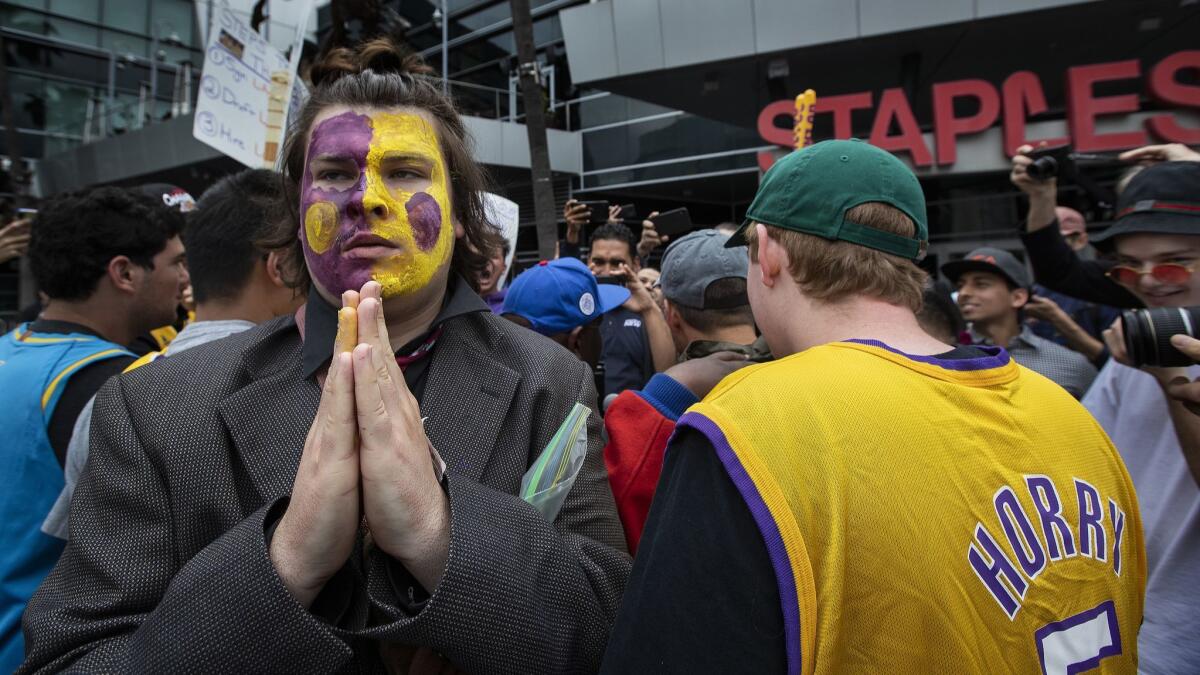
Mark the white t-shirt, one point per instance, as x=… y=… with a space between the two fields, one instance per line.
x=1132 y=408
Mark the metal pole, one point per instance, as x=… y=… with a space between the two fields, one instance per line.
x=153 y=70
x=187 y=88
x=445 y=48
x=112 y=78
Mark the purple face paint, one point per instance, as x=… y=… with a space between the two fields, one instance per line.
x=425 y=217
x=345 y=136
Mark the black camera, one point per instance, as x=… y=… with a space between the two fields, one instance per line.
x=1050 y=162
x=1148 y=334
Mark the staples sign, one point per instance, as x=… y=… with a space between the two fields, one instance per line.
x=1019 y=97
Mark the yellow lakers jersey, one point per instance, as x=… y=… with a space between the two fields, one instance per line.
x=930 y=516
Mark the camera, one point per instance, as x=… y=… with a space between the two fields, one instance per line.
x=1050 y=162
x=1148 y=334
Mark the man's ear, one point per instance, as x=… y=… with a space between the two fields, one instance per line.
x=770 y=256
x=674 y=321
x=124 y=274
x=573 y=341
x=274 y=265
x=1020 y=297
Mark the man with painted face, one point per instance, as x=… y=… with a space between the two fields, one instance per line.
x=352 y=508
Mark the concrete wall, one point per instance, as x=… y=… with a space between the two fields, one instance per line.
x=613 y=38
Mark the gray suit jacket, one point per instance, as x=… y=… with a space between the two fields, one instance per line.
x=192 y=461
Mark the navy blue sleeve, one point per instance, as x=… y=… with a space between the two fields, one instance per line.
x=702 y=570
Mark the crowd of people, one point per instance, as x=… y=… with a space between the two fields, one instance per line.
x=285 y=427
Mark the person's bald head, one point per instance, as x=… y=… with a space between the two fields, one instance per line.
x=1072 y=226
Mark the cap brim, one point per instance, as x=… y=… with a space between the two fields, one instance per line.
x=1152 y=222
x=738 y=238
x=956 y=268
x=612 y=297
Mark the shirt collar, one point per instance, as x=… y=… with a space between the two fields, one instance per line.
x=320 y=322
x=1026 y=337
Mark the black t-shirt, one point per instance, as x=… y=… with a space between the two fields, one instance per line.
x=702 y=596
x=628 y=363
x=80 y=387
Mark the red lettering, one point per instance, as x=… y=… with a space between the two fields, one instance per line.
x=947 y=128
x=893 y=104
x=774 y=134
x=1023 y=97
x=1165 y=87
x=842 y=107
x=1083 y=106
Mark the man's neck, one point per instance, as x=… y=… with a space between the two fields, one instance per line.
x=410 y=316
x=738 y=335
x=1000 y=331
x=240 y=309
x=94 y=315
x=858 y=318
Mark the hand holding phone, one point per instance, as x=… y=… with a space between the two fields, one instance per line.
x=672 y=224
x=597 y=212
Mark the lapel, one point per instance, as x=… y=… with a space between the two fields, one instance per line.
x=269 y=417
x=467 y=397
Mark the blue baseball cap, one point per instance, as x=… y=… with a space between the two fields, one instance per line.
x=557 y=296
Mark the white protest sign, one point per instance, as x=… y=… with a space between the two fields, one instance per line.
x=297 y=93
x=243 y=93
x=504 y=215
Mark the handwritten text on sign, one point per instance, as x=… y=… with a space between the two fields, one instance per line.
x=241 y=108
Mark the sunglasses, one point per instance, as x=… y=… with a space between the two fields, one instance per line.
x=1168 y=273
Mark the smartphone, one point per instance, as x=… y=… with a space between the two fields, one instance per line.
x=629 y=215
x=673 y=223
x=599 y=212
x=613 y=279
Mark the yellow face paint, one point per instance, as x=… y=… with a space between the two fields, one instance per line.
x=320 y=226
x=420 y=224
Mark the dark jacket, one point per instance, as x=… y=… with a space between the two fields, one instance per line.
x=1057 y=267
x=192 y=461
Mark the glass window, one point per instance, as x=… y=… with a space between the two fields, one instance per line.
x=84 y=10
x=72 y=31
x=20 y=19
x=130 y=15
x=124 y=44
x=173 y=19
x=29 y=100
x=35 y=4
x=66 y=107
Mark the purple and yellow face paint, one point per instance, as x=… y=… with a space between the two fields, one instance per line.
x=363 y=215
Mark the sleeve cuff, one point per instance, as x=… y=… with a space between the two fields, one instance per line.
x=668 y=396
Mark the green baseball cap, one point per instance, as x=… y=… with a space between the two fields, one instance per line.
x=811 y=190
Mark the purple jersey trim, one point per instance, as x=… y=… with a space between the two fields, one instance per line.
x=996 y=358
x=766 y=526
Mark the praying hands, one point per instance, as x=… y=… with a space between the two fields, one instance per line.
x=366 y=446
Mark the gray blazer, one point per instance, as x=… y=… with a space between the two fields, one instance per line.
x=192 y=461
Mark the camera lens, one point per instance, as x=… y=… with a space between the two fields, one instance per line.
x=1148 y=334
x=1043 y=168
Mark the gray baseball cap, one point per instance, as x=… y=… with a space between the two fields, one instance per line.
x=694 y=261
x=988 y=259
